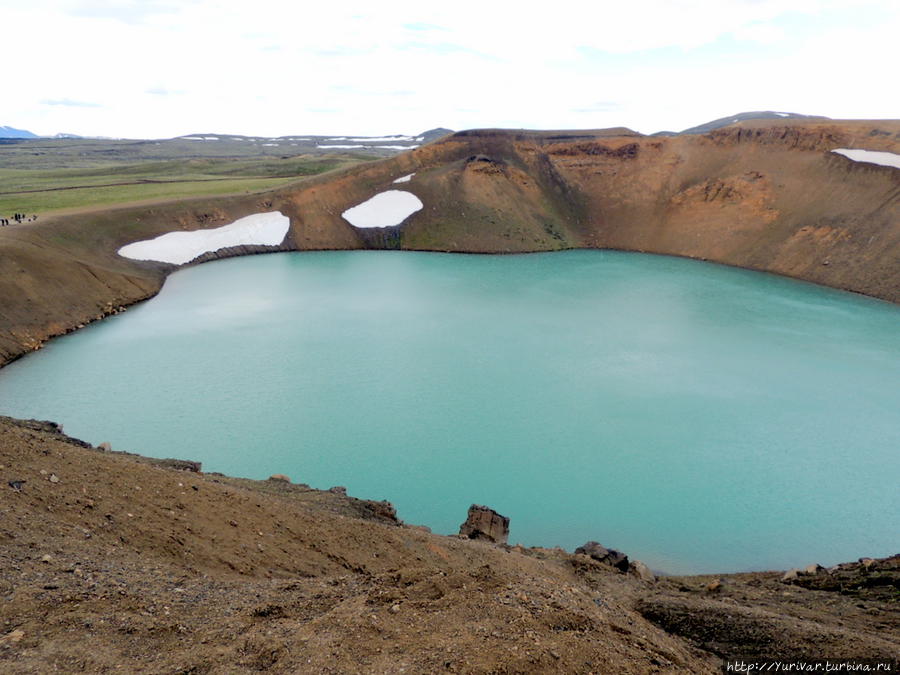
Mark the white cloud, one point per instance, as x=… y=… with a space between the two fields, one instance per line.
x=275 y=68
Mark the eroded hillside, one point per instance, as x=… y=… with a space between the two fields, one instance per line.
x=763 y=194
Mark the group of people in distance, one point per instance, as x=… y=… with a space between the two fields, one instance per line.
x=19 y=218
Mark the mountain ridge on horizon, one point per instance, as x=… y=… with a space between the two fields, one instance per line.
x=7 y=132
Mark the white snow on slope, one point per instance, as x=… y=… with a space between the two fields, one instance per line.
x=340 y=146
x=264 y=229
x=379 y=139
x=405 y=179
x=384 y=209
x=870 y=156
x=396 y=147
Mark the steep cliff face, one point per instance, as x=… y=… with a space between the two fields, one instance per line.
x=767 y=195
x=772 y=197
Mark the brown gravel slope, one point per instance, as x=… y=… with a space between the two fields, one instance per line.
x=112 y=562
x=123 y=564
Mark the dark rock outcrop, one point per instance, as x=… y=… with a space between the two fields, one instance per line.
x=56 y=430
x=176 y=464
x=485 y=523
x=610 y=556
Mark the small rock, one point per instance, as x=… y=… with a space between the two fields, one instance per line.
x=789 y=576
x=16 y=485
x=641 y=571
x=715 y=586
x=53 y=478
x=485 y=523
x=395 y=609
x=47 y=559
x=600 y=553
x=280 y=477
x=105 y=447
x=13 y=637
x=338 y=490
x=233 y=523
x=813 y=570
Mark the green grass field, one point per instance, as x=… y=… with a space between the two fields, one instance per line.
x=43 y=177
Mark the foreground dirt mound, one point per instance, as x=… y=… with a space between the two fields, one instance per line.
x=110 y=562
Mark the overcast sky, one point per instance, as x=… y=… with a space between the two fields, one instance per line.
x=162 y=68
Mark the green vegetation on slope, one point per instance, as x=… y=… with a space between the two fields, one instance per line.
x=47 y=176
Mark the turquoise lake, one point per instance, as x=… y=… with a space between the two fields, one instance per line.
x=697 y=417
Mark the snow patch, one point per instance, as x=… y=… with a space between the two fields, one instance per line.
x=192 y=138
x=396 y=147
x=340 y=146
x=783 y=114
x=870 y=156
x=405 y=179
x=377 y=139
x=385 y=209
x=271 y=145
x=262 y=229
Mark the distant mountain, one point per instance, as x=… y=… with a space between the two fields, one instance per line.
x=9 y=132
x=434 y=134
x=66 y=136
x=741 y=117
x=383 y=146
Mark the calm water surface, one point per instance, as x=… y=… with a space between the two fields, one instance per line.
x=698 y=417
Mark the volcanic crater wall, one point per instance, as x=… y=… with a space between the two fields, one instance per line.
x=770 y=197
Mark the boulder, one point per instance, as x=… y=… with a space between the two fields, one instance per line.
x=789 y=576
x=485 y=523
x=609 y=556
x=280 y=477
x=105 y=447
x=593 y=549
x=641 y=571
x=715 y=586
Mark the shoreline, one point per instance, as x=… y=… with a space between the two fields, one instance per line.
x=115 y=560
x=662 y=551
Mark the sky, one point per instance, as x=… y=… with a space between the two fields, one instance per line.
x=163 y=68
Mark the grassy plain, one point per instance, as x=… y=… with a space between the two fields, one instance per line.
x=51 y=175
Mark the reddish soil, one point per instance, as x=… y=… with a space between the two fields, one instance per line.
x=113 y=562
